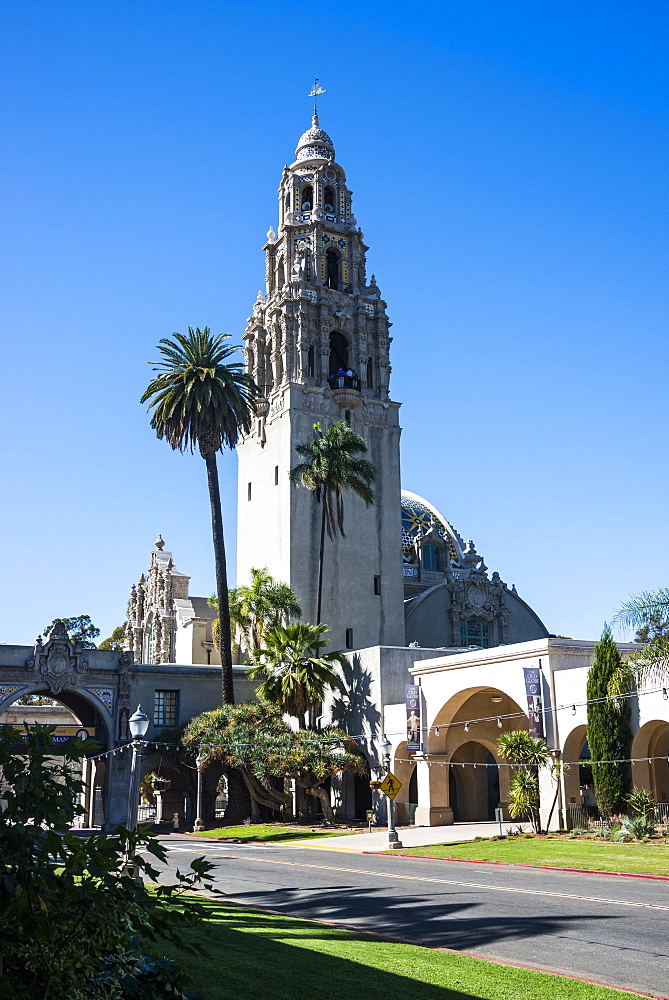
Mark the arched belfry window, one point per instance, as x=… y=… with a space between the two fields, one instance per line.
x=430 y=558
x=307 y=198
x=329 y=200
x=338 y=352
x=332 y=269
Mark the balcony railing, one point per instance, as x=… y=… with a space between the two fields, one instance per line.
x=344 y=382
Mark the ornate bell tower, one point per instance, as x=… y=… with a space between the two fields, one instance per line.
x=318 y=346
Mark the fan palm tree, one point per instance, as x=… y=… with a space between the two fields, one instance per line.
x=296 y=673
x=529 y=754
x=198 y=399
x=648 y=613
x=331 y=466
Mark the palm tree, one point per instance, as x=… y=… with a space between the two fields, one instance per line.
x=254 y=609
x=296 y=673
x=529 y=754
x=331 y=466
x=648 y=613
x=199 y=399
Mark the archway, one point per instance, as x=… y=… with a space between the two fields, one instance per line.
x=74 y=716
x=652 y=741
x=573 y=776
x=338 y=352
x=465 y=731
x=476 y=779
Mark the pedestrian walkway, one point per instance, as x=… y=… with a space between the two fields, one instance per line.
x=410 y=836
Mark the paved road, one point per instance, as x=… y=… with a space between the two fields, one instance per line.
x=612 y=930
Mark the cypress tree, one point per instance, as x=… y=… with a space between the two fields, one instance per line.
x=609 y=734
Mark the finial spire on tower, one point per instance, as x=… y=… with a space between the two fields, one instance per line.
x=315 y=91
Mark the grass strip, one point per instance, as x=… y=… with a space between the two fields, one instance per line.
x=636 y=859
x=258 y=955
x=269 y=833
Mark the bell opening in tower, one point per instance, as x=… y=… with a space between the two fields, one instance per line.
x=307 y=198
x=332 y=269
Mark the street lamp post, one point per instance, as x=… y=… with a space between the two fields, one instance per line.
x=394 y=841
x=139 y=723
x=199 y=822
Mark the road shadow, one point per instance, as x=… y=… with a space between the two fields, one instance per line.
x=413 y=917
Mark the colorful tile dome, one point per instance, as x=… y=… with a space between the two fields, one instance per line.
x=315 y=143
x=418 y=517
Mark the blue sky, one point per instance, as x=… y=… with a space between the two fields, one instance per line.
x=509 y=173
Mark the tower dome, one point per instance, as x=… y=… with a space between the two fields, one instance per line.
x=315 y=144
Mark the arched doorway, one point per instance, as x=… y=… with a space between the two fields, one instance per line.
x=338 y=352
x=465 y=732
x=652 y=742
x=73 y=716
x=474 y=778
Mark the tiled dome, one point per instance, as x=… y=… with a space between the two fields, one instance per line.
x=315 y=143
x=419 y=517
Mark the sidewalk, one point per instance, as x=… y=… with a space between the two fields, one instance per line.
x=410 y=836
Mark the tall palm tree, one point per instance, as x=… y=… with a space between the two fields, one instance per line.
x=296 y=673
x=198 y=399
x=331 y=466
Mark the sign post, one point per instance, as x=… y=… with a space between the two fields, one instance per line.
x=390 y=786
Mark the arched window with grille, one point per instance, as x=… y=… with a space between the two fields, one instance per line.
x=475 y=632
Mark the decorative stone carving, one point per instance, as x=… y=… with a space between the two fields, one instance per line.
x=56 y=660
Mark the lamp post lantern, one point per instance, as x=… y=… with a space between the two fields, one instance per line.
x=394 y=841
x=139 y=723
x=199 y=822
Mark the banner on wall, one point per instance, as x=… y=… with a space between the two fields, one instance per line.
x=412 y=702
x=535 y=708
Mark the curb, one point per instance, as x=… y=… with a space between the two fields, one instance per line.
x=519 y=864
x=450 y=951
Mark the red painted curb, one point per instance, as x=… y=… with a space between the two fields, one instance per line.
x=451 y=951
x=519 y=864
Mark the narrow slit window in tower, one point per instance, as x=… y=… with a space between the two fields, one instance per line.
x=370 y=374
x=276 y=475
x=377 y=586
x=349 y=638
x=311 y=367
x=248 y=491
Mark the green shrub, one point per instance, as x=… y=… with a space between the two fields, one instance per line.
x=74 y=922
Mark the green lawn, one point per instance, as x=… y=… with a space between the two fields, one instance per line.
x=259 y=956
x=640 y=859
x=271 y=833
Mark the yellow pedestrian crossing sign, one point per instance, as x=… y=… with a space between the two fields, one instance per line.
x=391 y=785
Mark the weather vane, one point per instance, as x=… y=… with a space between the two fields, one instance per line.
x=314 y=92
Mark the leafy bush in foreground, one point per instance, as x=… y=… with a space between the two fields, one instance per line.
x=73 y=919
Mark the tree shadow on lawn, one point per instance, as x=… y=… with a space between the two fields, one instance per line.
x=249 y=957
x=426 y=920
